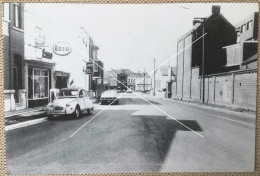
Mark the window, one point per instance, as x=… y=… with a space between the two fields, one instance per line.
x=38 y=83
x=17 y=15
x=249 y=25
x=5 y=11
x=243 y=28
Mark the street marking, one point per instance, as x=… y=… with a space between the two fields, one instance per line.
x=24 y=124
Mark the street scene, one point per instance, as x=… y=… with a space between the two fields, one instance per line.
x=131 y=89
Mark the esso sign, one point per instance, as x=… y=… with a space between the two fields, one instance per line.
x=61 y=48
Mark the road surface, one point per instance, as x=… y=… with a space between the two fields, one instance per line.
x=135 y=136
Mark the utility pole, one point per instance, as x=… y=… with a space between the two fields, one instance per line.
x=154 y=77
x=202 y=21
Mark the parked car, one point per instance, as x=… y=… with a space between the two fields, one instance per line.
x=70 y=101
x=109 y=96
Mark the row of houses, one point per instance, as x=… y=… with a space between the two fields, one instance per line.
x=121 y=79
x=228 y=75
x=40 y=56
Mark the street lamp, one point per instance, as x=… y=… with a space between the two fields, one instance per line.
x=202 y=21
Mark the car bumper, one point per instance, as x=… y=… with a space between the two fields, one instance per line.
x=65 y=111
x=108 y=99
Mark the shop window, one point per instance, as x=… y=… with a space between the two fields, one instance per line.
x=38 y=83
x=17 y=15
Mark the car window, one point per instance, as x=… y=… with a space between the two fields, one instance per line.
x=80 y=93
x=86 y=93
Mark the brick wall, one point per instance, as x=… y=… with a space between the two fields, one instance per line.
x=234 y=89
x=245 y=86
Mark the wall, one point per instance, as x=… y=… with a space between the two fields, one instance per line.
x=233 y=89
x=195 y=84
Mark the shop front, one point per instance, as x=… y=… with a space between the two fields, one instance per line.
x=39 y=80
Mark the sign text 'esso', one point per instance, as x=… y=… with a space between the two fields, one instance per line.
x=61 y=48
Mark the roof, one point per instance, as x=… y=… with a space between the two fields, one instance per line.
x=117 y=71
x=212 y=17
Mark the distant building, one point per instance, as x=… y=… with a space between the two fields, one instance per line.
x=143 y=82
x=13 y=56
x=164 y=78
x=220 y=33
x=121 y=79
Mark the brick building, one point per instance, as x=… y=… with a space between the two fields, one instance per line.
x=13 y=47
x=220 y=33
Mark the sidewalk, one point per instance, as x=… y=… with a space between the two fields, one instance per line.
x=241 y=115
x=29 y=114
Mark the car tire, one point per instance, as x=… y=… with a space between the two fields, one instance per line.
x=89 y=111
x=50 y=117
x=102 y=102
x=77 y=112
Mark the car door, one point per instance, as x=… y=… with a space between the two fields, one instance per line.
x=87 y=100
x=81 y=101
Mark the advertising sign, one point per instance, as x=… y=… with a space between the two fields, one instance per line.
x=89 y=68
x=61 y=48
x=40 y=41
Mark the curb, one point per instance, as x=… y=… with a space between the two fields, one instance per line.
x=24 y=124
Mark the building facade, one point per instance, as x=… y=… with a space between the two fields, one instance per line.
x=39 y=65
x=13 y=56
x=220 y=33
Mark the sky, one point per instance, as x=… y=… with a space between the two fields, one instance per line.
x=132 y=35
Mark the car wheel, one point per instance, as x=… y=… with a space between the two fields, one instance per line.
x=77 y=112
x=102 y=102
x=89 y=111
x=50 y=117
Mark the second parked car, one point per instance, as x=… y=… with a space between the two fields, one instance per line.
x=109 y=96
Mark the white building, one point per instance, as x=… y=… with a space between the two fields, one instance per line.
x=164 y=77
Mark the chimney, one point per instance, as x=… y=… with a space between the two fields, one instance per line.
x=215 y=9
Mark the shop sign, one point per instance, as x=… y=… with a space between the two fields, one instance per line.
x=39 y=41
x=99 y=81
x=46 y=54
x=61 y=48
x=89 y=68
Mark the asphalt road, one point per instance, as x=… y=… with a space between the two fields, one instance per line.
x=135 y=136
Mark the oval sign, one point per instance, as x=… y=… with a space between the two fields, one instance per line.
x=61 y=48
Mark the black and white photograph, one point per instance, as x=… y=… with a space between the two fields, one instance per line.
x=129 y=88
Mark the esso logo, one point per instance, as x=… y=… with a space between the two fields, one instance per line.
x=61 y=48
